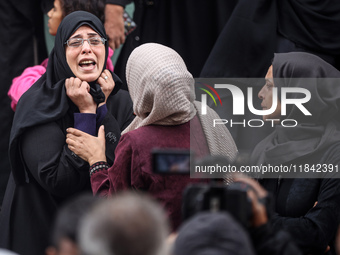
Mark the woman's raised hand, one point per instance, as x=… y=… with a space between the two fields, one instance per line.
x=106 y=83
x=78 y=92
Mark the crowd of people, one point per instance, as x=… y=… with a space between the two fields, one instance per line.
x=82 y=177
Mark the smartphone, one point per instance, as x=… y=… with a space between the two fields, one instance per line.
x=129 y=24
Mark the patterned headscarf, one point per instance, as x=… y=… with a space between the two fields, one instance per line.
x=160 y=86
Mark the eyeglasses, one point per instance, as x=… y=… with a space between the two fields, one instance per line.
x=93 y=41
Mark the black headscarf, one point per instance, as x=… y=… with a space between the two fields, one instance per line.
x=46 y=100
x=312 y=133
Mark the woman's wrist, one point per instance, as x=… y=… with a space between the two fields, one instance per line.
x=88 y=110
x=94 y=160
x=98 y=166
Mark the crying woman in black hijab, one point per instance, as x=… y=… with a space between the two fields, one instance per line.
x=76 y=91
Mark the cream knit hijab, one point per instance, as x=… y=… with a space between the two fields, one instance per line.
x=219 y=139
x=162 y=91
x=160 y=86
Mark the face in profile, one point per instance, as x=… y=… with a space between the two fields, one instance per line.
x=86 y=60
x=55 y=16
x=266 y=95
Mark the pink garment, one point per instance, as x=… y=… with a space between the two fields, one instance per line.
x=109 y=64
x=30 y=75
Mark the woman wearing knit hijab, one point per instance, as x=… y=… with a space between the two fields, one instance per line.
x=162 y=92
x=76 y=91
x=308 y=202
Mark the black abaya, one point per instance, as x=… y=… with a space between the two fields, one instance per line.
x=45 y=173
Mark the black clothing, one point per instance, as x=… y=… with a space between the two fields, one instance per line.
x=219 y=233
x=312 y=227
x=313 y=132
x=311 y=24
x=247 y=42
x=255 y=30
x=118 y=2
x=266 y=241
x=189 y=27
x=45 y=172
x=46 y=100
x=244 y=49
x=55 y=174
x=22 y=44
x=259 y=28
x=314 y=140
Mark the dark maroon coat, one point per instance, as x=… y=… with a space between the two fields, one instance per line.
x=133 y=166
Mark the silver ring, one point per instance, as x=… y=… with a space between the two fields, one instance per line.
x=105 y=78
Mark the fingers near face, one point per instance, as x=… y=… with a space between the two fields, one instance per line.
x=106 y=81
x=106 y=75
x=73 y=82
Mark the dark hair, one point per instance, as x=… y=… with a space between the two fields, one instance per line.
x=68 y=217
x=96 y=7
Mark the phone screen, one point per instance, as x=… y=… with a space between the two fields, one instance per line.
x=170 y=161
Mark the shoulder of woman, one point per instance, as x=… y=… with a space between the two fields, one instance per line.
x=121 y=97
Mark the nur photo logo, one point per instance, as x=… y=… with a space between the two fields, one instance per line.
x=204 y=97
x=294 y=96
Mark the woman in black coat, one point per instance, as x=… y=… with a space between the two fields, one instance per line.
x=75 y=91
